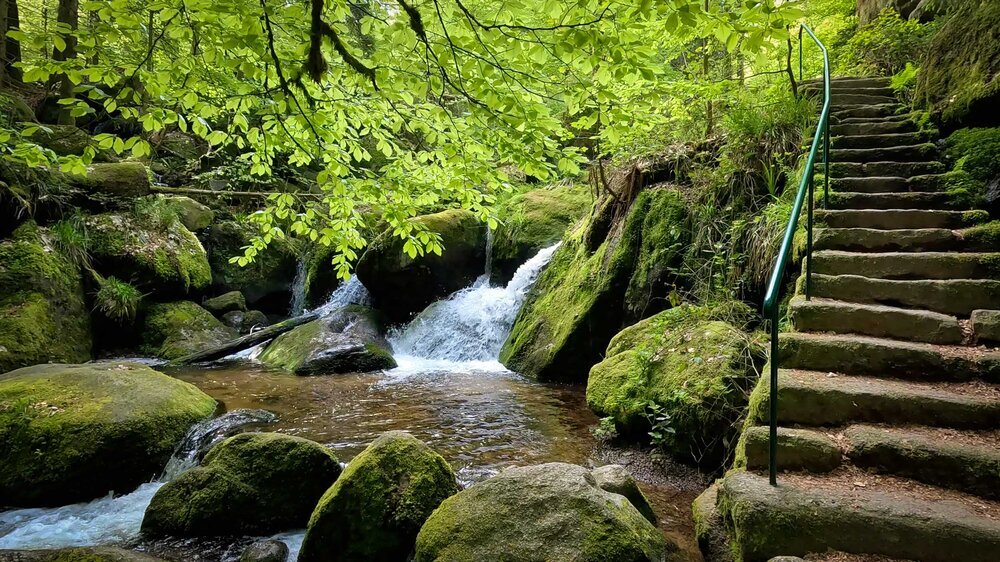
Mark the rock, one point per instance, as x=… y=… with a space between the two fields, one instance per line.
x=154 y=250
x=265 y=551
x=64 y=140
x=245 y=321
x=194 y=216
x=43 y=312
x=226 y=302
x=113 y=182
x=694 y=365
x=14 y=106
x=175 y=329
x=402 y=286
x=252 y=483
x=267 y=282
x=85 y=554
x=986 y=326
x=532 y=221
x=545 y=512
x=379 y=503
x=72 y=433
x=709 y=529
x=798 y=449
x=348 y=341
x=615 y=479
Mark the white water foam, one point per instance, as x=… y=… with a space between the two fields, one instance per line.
x=351 y=292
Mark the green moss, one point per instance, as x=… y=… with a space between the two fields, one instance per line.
x=173 y=330
x=983 y=238
x=253 y=483
x=379 y=503
x=74 y=432
x=112 y=182
x=226 y=302
x=975 y=152
x=272 y=270
x=533 y=220
x=349 y=341
x=291 y=349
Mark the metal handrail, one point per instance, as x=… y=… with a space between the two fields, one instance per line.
x=806 y=189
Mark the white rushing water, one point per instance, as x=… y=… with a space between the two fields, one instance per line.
x=299 y=287
x=352 y=292
x=468 y=327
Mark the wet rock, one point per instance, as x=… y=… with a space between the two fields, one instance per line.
x=402 y=286
x=551 y=511
x=245 y=321
x=176 y=329
x=377 y=506
x=227 y=302
x=267 y=282
x=986 y=326
x=72 y=433
x=194 y=216
x=265 y=551
x=86 y=554
x=348 y=341
x=253 y=483
x=43 y=312
x=615 y=479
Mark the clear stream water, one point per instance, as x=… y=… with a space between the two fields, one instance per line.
x=449 y=391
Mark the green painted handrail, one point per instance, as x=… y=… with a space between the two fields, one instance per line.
x=804 y=196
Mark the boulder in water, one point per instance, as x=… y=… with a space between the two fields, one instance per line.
x=43 y=313
x=245 y=321
x=545 y=512
x=616 y=479
x=77 y=554
x=175 y=329
x=226 y=302
x=265 y=551
x=347 y=341
x=377 y=506
x=402 y=286
x=253 y=483
x=72 y=433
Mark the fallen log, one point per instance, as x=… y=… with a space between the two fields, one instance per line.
x=245 y=342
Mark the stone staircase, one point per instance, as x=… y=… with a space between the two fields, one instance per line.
x=889 y=414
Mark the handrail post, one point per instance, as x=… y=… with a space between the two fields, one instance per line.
x=772 y=451
x=800 y=53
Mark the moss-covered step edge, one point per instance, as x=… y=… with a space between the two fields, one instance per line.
x=900 y=200
x=820 y=398
x=880 y=140
x=873 y=128
x=894 y=219
x=798 y=449
x=908 y=265
x=865 y=111
x=982 y=238
x=879 y=321
x=888 y=184
x=763 y=521
x=882 y=169
x=913 y=153
x=948 y=296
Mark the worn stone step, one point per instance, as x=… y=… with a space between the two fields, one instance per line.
x=852 y=354
x=873 y=128
x=841 y=82
x=882 y=169
x=844 y=99
x=958 y=297
x=817 y=514
x=820 y=398
x=880 y=321
x=873 y=240
x=897 y=200
x=910 y=153
x=970 y=463
x=894 y=118
x=888 y=184
x=908 y=265
x=985 y=326
x=838 y=115
x=798 y=449
x=893 y=219
x=880 y=140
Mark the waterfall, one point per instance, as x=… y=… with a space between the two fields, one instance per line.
x=299 y=286
x=204 y=434
x=472 y=324
x=351 y=292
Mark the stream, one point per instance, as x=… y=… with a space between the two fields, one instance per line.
x=449 y=391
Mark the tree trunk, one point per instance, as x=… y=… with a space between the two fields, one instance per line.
x=245 y=342
x=69 y=11
x=10 y=49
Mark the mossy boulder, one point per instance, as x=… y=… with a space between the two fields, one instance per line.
x=250 y=484
x=64 y=140
x=690 y=365
x=78 y=554
x=245 y=320
x=602 y=277
x=157 y=253
x=534 y=220
x=43 y=312
x=226 y=302
x=379 y=503
x=113 y=184
x=402 y=286
x=538 y=513
x=175 y=329
x=71 y=433
x=194 y=215
x=347 y=341
x=267 y=282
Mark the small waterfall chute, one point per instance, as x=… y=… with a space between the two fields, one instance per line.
x=204 y=434
x=299 y=286
x=348 y=293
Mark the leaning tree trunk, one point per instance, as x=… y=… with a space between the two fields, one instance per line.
x=68 y=14
x=10 y=49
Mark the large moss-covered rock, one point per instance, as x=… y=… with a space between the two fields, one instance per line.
x=402 y=286
x=175 y=329
x=64 y=140
x=193 y=215
x=226 y=302
x=960 y=76
x=253 y=483
x=534 y=220
x=603 y=276
x=348 y=341
x=539 y=513
x=697 y=369
x=113 y=184
x=158 y=253
x=267 y=282
x=43 y=313
x=377 y=506
x=71 y=433
x=78 y=554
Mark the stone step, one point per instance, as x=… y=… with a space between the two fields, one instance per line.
x=882 y=169
x=880 y=321
x=847 y=82
x=874 y=128
x=897 y=200
x=887 y=184
x=852 y=354
x=866 y=111
x=958 y=297
x=880 y=140
x=810 y=450
x=908 y=265
x=843 y=99
x=894 y=118
x=815 y=398
x=948 y=459
x=894 y=219
x=910 y=153
x=872 y=240
x=817 y=514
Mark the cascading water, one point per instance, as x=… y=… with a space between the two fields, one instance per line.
x=299 y=286
x=472 y=324
x=351 y=292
